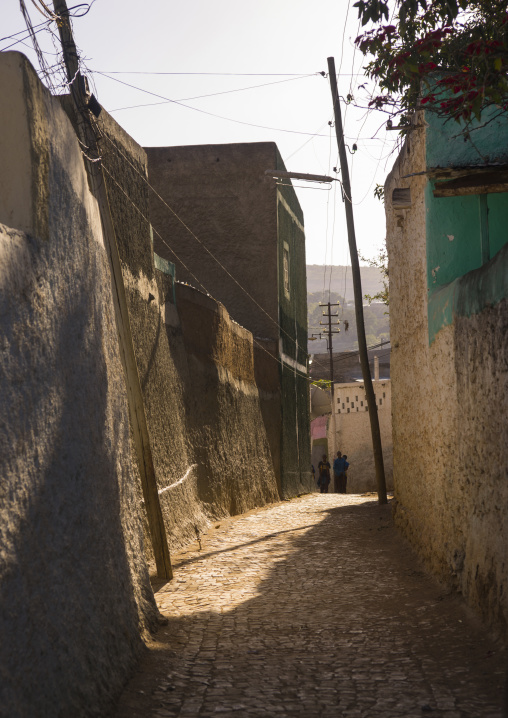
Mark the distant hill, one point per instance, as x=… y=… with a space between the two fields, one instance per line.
x=377 y=320
x=342 y=282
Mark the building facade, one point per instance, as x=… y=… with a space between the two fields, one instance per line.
x=348 y=428
x=447 y=240
x=238 y=235
x=351 y=425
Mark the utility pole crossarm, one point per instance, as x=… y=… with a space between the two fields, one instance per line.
x=357 y=286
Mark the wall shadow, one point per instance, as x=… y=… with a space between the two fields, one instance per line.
x=345 y=618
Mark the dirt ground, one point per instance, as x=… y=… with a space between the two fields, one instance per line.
x=313 y=607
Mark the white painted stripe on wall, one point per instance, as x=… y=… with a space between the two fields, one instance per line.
x=180 y=481
x=293 y=363
x=288 y=209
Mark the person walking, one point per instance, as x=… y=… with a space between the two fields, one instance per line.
x=340 y=466
x=324 y=475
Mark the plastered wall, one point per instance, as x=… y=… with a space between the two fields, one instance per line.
x=75 y=598
x=206 y=415
x=449 y=398
x=353 y=433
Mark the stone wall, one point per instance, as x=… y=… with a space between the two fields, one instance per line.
x=205 y=415
x=232 y=232
x=75 y=598
x=449 y=398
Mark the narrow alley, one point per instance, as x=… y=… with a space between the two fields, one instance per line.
x=313 y=607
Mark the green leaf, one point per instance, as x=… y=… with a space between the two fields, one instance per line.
x=498 y=63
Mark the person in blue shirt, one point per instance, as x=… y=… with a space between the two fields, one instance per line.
x=340 y=466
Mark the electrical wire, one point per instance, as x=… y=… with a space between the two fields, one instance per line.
x=22 y=40
x=21 y=32
x=209 y=252
x=212 y=94
x=44 y=66
x=344 y=35
x=278 y=360
x=210 y=114
x=33 y=36
x=316 y=134
x=327 y=214
x=214 y=74
x=333 y=236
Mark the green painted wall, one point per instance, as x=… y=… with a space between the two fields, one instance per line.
x=469 y=294
x=449 y=150
x=295 y=450
x=464 y=234
x=498 y=221
x=453 y=236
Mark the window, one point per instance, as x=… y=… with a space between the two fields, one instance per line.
x=380 y=402
x=384 y=395
x=343 y=406
x=361 y=403
x=356 y=398
x=347 y=399
x=348 y=411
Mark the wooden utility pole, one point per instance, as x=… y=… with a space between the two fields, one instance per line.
x=357 y=286
x=88 y=139
x=330 y=332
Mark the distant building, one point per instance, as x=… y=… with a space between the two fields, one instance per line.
x=233 y=231
x=353 y=434
x=346 y=365
x=348 y=428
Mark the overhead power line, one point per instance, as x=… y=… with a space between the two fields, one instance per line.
x=278 y=360
x=205 y=112
x=214 y=94
x=209 y=252
x=215 y=74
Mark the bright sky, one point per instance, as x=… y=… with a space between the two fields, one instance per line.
x=269 y=41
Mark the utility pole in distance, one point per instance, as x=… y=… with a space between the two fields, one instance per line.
x=357 y=286
x=330 y=334
x=88 y=139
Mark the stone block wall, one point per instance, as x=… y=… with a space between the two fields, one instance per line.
x=450 y=465
x=75 y=597
x=196 y=365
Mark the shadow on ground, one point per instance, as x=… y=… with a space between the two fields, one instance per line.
x=311 y=608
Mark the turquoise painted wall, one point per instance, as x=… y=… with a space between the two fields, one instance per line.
x=464 y=234
x=449 y=150
x=498 y=221
x=453 y=236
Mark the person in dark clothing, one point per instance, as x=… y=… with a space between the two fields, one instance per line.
x=340 y=466
x=324 y=475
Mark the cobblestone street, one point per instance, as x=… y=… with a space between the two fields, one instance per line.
x=313 y=607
